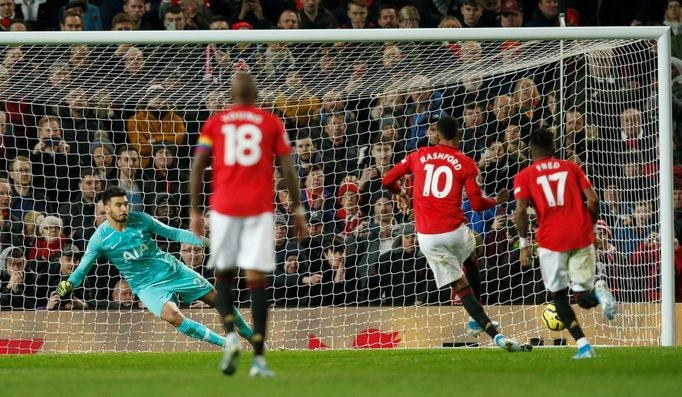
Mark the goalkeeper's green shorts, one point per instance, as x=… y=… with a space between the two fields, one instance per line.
x=182 y=283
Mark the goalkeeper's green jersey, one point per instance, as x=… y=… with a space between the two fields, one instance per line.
x=134 y=251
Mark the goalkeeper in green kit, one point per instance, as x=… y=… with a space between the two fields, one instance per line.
x=156 y=277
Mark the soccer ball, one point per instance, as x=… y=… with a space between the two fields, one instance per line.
x=551 y=318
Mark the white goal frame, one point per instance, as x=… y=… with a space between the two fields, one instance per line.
x=659 y=34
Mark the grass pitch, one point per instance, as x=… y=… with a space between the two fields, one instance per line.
x=444 y=372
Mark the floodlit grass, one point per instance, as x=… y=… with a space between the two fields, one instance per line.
x=443 y=372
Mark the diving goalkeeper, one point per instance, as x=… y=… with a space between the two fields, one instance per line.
x=156 y=277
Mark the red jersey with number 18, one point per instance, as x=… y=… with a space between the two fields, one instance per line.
x=554 y=188
x=440 y=174
x=245 y=141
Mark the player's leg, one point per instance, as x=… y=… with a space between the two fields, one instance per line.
x=225 y=233
x=587 y=293
x=243 y=328
x=258 y=259
x=554 y=268
x=474 y=280
x=171 y=314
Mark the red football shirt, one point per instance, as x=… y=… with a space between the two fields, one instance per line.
x=554 y=188
x=245 y=141
x=440 y=174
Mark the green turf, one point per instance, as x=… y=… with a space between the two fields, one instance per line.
x=444 y=372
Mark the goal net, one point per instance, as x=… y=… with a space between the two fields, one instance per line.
x=76 y=118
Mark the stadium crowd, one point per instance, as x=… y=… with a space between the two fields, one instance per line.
x=74 y=119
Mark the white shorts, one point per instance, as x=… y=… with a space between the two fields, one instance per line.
x=446 y=252
x=244 y=242
x=574 y=268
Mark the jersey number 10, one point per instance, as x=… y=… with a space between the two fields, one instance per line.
x=242 y=144
x=552 y=199
x=433 y=178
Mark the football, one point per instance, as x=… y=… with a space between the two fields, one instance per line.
x=551 y=318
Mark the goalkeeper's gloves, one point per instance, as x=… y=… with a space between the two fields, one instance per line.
x=64 y=288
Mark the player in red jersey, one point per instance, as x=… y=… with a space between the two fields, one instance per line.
x=441 y=173
x=558 y=189
x=245 y=142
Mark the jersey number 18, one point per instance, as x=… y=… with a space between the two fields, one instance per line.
x=242 y=144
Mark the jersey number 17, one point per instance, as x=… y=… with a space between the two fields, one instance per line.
x=557 y=199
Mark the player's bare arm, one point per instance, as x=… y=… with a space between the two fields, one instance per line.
x=286 y=168
x=521 y=218
x=502 y=196
x=592 y=203
x=201 y=160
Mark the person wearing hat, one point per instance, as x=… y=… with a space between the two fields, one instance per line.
x=282 y=242
x=49 y=273
x=349 y=214
x=291 y=279
x=16 y=285
x=312 y=245
x=511 y=14
x=50 y=239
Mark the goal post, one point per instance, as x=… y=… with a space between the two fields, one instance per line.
x=489 y=68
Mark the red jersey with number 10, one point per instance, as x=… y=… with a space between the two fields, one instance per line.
x=554 y=188
x=245 y=141
x=440 y=174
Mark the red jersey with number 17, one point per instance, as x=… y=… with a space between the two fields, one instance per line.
x=245 y=141
x=440 y=174
x=555 y=189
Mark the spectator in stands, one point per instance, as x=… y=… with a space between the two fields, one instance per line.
x=18 y=25
x=306 y=155
x=513 y=143
x=388 y=16
x=472 y=11
x=282 y=242
x=633 y=230
x=502 y=114
x=81 y=63
x=673 y=17
x=26 y=233
x=314 y=16
x=9 y=222
x=339 y=150
x=338 y=286
x=511 y=14
x=54 y=165
x=102 y=160
x=402 y=270
x=8 y=13
x=16 y=286
x=426 y=101
x=528 y=106
x=615 y=211
x=611 y=265
x=431 y=138
x=165 y=177
x=335 y=102
x=370 y=187
x=50 y=273
x=632 y=131
x=409 y=18
x=313 y=245
x=89 y=13
x=390 y=106
x=357 y=12
x=129 y=177
x=251 y=12
x=122 y=298
x=432 y=12
x=288 y=20
x=167 y=211
x=299 y=106
x=498 y=167
x=349 y=214
x=546 y=15
x=576 y=135
x=194 y=257
x=76 y=122
x=291 y=280
x=24 y=196
x=79 y=213
x=474 y=131
x=156 y=124
x=174 y=18
x=81 y=236
x=315 y=197
x=72 y=22
x=50 y=239
x=277 y=59
x=390 y=132
x=198 y=16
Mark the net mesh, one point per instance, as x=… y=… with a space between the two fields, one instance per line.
x=77 y=118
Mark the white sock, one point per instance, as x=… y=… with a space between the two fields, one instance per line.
x=582 y=342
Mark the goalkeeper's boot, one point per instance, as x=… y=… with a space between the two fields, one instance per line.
x=606 y=300
x=512 y=346
x=260 y=368
x=585 y=352
x=473 y=329
x=243 y=328
x=230 y=359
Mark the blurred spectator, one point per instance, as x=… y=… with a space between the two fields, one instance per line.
x=357 y=12
x=197 y=15
x=194 y=257
x=390 y=109
x=282 y=242
x=338 y=285
x=277 y=58
x=80 y=237
x=611 y=265
x=305 y=156
x=16 y=286
x=79 y=212
x=164 y=177
x=313 y=245
x=431 y=138
x=8 y=12
x=426 y=101
x=18 y=25
x=24 y=196
x=433 y=11
x=123 y=21
x=381 y=161
x=511 y=14
x=673 y=16
x=89 y=13
x=502 y=113
x=50 y=239
x=632 y=231
x=472 y=11
x=251 y=12
x=528 y=106
x=314 y=16
x=315 y=197
x=174 y=18
x=291 y=279
x=102 y=160
x=299 y=106
x=71 y=22
x=576 y=134
x=474 y=130
x=403 y=270
x=136 y=11
x=349 y=214
x=288 y=20
x=130 y=177
x=9 y=222
x=155 y=124
x=339 y=150
x=334 y=102
x=547 y=14
x=513 y=144
x=122 y=298
x=50 y=273
x=409 y=18
x=76 y=123
x=41 y=14
x=498 y=167
x=388 y=16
